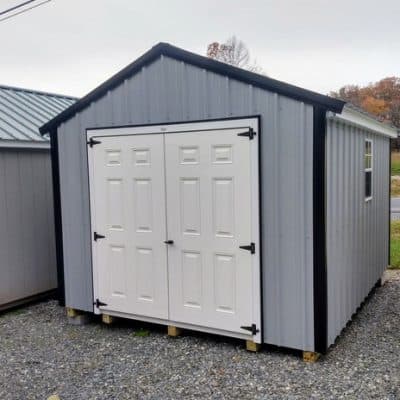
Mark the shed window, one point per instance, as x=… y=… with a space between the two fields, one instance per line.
x=368 y=164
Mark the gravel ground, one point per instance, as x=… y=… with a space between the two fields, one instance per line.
x=41 y=355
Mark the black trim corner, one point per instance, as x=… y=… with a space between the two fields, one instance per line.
x=57 y=217
x=319 y=229
x=390 y=199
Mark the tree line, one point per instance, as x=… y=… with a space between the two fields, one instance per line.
x=380 y=99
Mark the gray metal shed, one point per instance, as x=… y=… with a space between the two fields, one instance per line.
x=27 y=245
x=199 y=195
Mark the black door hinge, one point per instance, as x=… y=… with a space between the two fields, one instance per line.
x=93 y=142
x=97 y=236
x=253 y=329
x=250 y=134
x=251 y=248
x=99 y=303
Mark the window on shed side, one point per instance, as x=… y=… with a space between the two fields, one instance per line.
x=368 y=165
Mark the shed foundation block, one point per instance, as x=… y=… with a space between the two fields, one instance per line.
x=77 y=317
x=311 y=356
x=72 y=312
x=79 y=320
x=174 y=331
x=251 y=346
x=107 y=319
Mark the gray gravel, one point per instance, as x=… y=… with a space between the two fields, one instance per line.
x=41 y=355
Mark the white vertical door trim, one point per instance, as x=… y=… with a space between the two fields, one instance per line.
x=255 y=228
x=92 y=200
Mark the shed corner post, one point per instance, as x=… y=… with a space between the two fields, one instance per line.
x=57 y=216
x=320 y=284
x=390 y=198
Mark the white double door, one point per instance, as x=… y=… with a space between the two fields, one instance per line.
x=193 y=189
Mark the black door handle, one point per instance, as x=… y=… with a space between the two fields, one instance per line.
x=168 y=241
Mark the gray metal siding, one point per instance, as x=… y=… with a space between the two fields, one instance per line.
x=27 y=247
x=172 y=91
x=357 y=231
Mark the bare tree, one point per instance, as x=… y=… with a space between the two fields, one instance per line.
x=233 y=52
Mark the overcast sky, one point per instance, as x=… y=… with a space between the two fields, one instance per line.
x=71 y=46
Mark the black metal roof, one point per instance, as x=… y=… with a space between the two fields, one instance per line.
x=218 y=67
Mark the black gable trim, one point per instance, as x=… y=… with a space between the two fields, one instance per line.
x=239 y=74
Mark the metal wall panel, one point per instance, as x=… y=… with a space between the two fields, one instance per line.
x=357 y=231
x=172 y=91
x=27 y=247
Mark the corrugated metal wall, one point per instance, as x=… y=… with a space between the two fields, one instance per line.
x=27 y=247
x=171 y=91
x=357 y=231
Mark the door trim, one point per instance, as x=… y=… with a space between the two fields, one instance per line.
x=198 y=126
x=183 y=325
x=166 y=123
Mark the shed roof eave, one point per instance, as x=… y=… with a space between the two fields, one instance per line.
x=364 y=121
x=24 y=144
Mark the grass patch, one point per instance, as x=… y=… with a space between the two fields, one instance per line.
x=141 y=333
x=395 y=168
x=395 y=186
x=15 y=311
x=395 y=244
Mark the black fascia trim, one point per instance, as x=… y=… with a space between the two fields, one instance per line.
x=57 y=217
x=176 y=53
x=390 y=198
x=320 y=283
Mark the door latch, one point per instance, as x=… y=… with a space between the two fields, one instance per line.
x=168 y=241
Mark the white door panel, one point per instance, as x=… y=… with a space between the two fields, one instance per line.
x=197 y=188
x=128 y=197
x=209 y=217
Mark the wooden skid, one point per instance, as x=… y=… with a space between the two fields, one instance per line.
x=174 y=331
x=310 y=356
x=72 y=312
x=251 y=346
x=107 y=319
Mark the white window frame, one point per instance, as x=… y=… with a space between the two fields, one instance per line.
x=370 y=168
